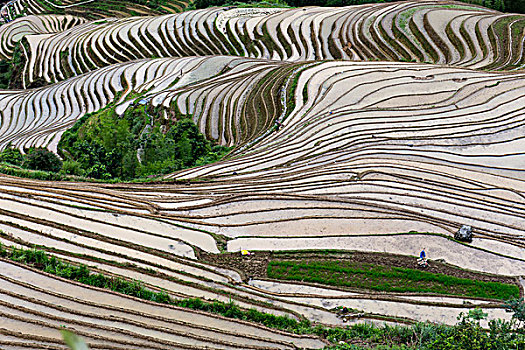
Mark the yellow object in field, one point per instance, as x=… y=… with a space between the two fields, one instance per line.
x=245 y=252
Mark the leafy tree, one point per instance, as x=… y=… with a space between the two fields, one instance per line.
x=515 y=6
x=42 y=159
x=138 y=143
x=517 y=306
x=190 y=143
x=499 y=5
x=130 y=163
x=11 y=155
x=98 y=171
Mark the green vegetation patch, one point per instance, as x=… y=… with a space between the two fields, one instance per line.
x=5 y=74
x=50 y=264
x=41 y=260
x=11 y=70
x=35 y=158
x=144 y=142
x=387 y=279
x=141 y=144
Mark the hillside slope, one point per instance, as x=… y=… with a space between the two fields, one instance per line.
x=380 y=128
x=366 y=150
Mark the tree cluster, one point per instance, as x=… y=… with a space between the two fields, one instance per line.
x=33 y=159
x=138 y=144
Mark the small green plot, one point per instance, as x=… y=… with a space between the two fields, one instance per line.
x=387 y=279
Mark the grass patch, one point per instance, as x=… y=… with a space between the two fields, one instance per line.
x=387 y=279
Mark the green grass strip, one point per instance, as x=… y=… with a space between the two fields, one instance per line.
x=387 y=279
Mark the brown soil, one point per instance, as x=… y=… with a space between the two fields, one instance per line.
x=256 y=265
x=251 y=266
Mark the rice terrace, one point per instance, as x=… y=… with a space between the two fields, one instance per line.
x=273 y=174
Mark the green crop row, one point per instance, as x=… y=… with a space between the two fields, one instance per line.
x=387 y=279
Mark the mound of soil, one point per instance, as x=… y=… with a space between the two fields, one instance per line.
x=250 y=266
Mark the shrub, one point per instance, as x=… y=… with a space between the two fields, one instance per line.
x=98 y=171
x=71 y=167
x=517 y=307
x=11 y=155
x=468 y=334
x=42 y=159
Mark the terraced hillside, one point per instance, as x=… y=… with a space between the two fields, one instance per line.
x=441 y=154
x=90 y=9
x=34 y=25
x=423 y=31
x=34 y=305
x=428 y=123
x=337 y=144
x=38 y=117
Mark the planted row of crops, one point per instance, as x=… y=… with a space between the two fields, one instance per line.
x=388 y=279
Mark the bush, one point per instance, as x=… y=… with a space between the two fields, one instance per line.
x=98 y=171
x=469 y=335
x=71 y=167
x=42 y=159
x=517 y=307
x=11 y=155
